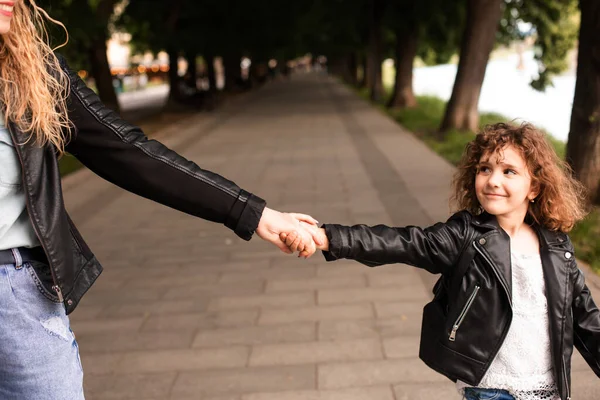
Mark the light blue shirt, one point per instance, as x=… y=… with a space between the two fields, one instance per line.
x=15 y=226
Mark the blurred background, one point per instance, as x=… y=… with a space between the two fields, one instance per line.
x=441 y=69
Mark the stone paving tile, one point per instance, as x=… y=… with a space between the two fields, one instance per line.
x=253 y=335
x=195 y=397
x=127 y=341
x=170 y=280
x=361 y=295
x=365 y=328
x=246 y=380
x=183 y=360
x=402 y=347
x=108 y=326
x=315 y=313
x=99 y=364
x=399 y=279
x=409 y=309
x=369 y=373
x=85 y=312
x=290 y=285
x=195 y=321
x=159 y=307
x=364 y=393
x=268 y=274
x=267 y=301
x=129 y=386
x=215 y=289
x=99 y=297
x=411 y=391
x=315 y=352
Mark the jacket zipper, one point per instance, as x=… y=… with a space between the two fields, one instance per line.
x=55 y=287
x=463 y=313
x=565 y=376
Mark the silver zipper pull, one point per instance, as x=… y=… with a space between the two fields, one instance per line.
x=452 y=337
x=56 y=288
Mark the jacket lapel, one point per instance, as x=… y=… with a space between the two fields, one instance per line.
x=496 y=245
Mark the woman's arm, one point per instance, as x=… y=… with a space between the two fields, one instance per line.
x=122 y=154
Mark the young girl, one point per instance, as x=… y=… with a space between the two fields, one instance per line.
x=511 y=302
x=45 y=265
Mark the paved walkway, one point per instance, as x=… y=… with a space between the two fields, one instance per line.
x=185 y=310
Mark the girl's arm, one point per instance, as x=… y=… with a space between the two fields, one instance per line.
x=435 y=248
x=586 y=323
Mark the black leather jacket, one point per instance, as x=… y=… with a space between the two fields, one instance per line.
x=480 y=301
x=122 y=154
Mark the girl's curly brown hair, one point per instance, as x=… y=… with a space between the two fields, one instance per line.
x=560 y=202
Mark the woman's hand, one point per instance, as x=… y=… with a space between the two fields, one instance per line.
x=273 y=223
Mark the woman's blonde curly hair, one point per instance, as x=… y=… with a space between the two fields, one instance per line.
x=560 y=201
x=33 y=87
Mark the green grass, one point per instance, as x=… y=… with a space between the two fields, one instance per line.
x=424 y=121
x=585 y=238
x=68 y=164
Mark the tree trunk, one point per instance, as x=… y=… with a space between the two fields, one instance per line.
x=364 y=79
x=174 y=90
x=583 y=146
x=232 y=71
x=374 y=55
x=210 y=71
x=352 y=69
x=406 y=51
x=192 y=70
x=102 y=76
x=478 y=40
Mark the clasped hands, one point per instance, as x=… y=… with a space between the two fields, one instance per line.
x=292 y=232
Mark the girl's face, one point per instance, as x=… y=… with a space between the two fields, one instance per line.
x=6 y=14
x=503 y=184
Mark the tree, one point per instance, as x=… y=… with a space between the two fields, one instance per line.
x=375 y=49
x=429 y=28
x=478 y=40
x=88 y=24
x=583 y=146
x=554 y=28
x=554 y=31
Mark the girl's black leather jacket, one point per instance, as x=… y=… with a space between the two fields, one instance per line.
x=122 y=154
x=480 y=301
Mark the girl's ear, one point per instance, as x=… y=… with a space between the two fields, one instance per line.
x=535 y=190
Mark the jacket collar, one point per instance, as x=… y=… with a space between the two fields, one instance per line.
x=547 y=237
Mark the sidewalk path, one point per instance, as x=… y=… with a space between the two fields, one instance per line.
x=185 y=310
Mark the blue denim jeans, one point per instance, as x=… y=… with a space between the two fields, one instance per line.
x=472 y=393
x=38 y=352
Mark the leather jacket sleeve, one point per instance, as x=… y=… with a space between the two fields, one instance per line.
x=435 y=248
x=586 y=323
x=120 y=153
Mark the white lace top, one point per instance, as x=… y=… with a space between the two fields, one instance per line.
x=523 y=366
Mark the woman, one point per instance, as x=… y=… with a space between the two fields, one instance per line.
x=45 y=265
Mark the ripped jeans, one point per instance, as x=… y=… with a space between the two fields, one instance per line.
x=39 y=357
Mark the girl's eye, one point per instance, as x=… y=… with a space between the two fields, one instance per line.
x=484 y=169
x=510 y=172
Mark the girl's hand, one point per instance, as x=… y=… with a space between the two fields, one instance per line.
x=293 y=240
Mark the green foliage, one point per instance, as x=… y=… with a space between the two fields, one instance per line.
x=555 y=26
x=585 y=238
x=85 y=20
x=68 y=164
